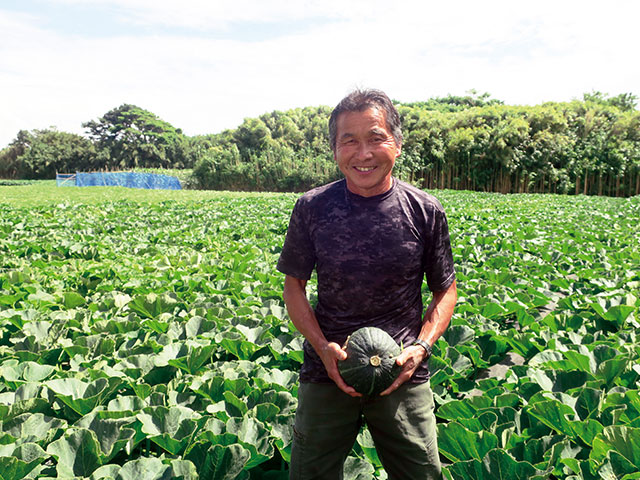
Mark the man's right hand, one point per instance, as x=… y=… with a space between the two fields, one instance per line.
x=305 y=321
x=330 y=354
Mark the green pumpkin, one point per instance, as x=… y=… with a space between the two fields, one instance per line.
x=370 y=366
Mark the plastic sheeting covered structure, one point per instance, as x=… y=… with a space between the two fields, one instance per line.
x=119 y=179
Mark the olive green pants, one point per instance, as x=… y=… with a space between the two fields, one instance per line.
x=328 y=421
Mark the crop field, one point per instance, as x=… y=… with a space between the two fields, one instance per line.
x=143 y=336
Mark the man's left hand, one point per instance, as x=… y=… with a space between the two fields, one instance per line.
x=410 y=359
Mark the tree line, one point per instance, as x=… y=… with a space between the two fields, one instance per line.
x=473 y=142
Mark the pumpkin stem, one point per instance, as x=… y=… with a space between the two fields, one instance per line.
x=375 y=361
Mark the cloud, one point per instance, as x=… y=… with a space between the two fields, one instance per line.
x=221 y=14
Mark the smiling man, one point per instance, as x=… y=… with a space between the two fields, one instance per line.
x=365 y=151
x=372 y=241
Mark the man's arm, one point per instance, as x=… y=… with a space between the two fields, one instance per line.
x=305 y=321
x=436 y=320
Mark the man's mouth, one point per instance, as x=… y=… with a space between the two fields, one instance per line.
x=364 y=169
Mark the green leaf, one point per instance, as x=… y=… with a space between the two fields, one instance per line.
x=33 y=428
x=148 y=468
x=130 y=404
x=459 y=334
x=236 y=345
x=26 y=399
x=219 y=462
x=357 y=469
x=275 y=378
x=617 y=438
x=152 y=305
x=183 y=470
x=365 y=440
x=588 y=402
x=78 y=453
x=14 y=371
x=493 y=310
x=582 y=361
x=587 y=430
x=553 y=414
x=42 y=298
x=459 y=444
x=616 y=314
x=169 y=427
x=611 y=369
x=254 y=436
x=73 y=299
x=467 y=408
x=80 y=396
x=627 y=404
x=111 y=433
x=234 y=406
x=559 y=380
x=496 y=465
x=197 y=325
x=22 y=461
x=194 y=360
x=265 y=412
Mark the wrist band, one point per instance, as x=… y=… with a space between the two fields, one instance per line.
x=424 y=345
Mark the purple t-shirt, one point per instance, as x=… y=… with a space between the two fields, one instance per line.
x=371 y=255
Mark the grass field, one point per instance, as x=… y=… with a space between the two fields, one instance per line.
x=144 y=336
x=47 y=193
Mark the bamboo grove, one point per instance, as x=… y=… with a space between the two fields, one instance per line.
x=589 y=146
x=577 y=147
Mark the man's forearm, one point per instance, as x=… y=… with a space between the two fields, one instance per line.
x=436 y=320
x=301 y=313
x=305 y=321
x=438 y=314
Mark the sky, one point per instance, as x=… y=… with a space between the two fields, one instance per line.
x=205 y=65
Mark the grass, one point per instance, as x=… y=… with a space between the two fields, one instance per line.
x=45 y=192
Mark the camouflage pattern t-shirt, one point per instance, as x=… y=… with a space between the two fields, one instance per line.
x=371 y=255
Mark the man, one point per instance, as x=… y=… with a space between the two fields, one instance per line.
x=371 y=239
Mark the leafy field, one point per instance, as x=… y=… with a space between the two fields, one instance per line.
x=143 y=335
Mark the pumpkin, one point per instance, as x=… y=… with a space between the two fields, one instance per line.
x=370 y=366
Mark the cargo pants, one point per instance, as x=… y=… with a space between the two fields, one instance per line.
x=402 y=425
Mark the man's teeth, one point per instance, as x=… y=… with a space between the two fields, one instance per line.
x=364 y=169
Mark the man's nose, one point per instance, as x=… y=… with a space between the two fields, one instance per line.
x=364 y=151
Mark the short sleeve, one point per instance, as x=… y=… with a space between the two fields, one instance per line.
x=298 y=257
x=438 y=260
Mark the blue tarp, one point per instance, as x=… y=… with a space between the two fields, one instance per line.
x=66 y=179
x=121 y=179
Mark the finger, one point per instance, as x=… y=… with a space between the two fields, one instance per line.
x=405 y=375
x=336 y=351
x=349 y=390
x=394 y=386
x=334 y=374
x=407 y=354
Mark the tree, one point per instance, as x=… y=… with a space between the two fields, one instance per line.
x=129 y=136
x=624 y=101
x=10 y=156
x=40 y=154
x=252 y=136
x=455 y=103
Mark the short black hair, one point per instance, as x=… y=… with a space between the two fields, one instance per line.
x=361 y=100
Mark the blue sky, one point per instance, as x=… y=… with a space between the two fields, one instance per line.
x=204 y=66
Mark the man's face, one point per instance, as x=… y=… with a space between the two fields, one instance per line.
x=365 y=151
